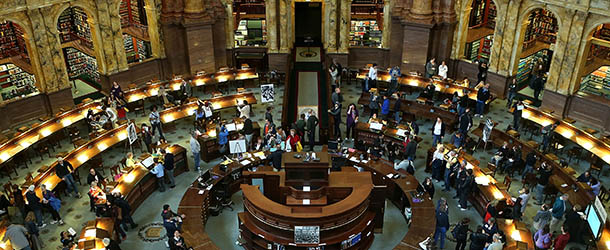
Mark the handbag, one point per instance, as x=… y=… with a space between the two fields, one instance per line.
x=299 y=146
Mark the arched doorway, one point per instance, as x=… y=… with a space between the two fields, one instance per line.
x=366 y=29
x=596 y=68
x=480 y=33
x=134 y=25
x=250 y=28
x=76 y=40
x=538 y=37
x=16 y=72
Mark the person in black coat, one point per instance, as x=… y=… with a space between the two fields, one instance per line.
x=34 y=204
x=465 y=187
x=478 y=239
x=147 y=137
x=429 y=187
x=126 y=218
x=411 y=149
x=490 y=228
x=95 y=176
x=276 y=157
x=248 y=132
x=414 y=127
x=482 y=75
x=177 y=242
x=268 y=115
x=168 y=166
x=397 y=112
x=461 y=234
x=517 y=113
x=575 y=223
x=465 y=122
x=442 y=225
x=111 y=244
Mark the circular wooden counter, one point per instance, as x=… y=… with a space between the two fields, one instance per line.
x=400 y=191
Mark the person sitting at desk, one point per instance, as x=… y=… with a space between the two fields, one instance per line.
x=513 y=158
x=500 y=155
x=97 y=196
x=293 y=139
x=223 y=140
x=260 y=145
x=584 y=177
x=428 y=91
x=95 y=176
x=110 y=244
x=595 y=185
x=268 y=129
x=276 y=158
x=186 y=90
x=374 y=119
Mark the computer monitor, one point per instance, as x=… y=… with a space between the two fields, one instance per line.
x=594 y=221
x=206 y=176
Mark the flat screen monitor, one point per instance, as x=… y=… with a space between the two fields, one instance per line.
x=206 y=176
x=594 y=221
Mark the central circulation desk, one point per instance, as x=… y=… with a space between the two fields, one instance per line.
x=401 y=191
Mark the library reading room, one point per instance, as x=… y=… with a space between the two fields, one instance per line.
x=304 y=124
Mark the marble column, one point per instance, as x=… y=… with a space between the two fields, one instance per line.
x=499 y=33
x=271 y=19
x=193 y=8
x=230 y=24
x=155 y=33
x=285 y=23
x=559 y=80
x=387 y=24
x=51 y=56
x=115 y=29
x=421 y=11
x=330 y=25
x=461 y=34
x=102 y=30
x=344 y=25
x=513 y=29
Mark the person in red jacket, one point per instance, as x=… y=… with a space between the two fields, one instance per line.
x=293 y=138
x=562 y=240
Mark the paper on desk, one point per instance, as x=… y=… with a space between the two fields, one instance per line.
x=260 y=155
x=201 y=191
x=390 y=175
x=401 y=132
x=231 y=127
x=245 y=162
x=376 y=126
x=306 y=202
x=354 y=159
x=564 y=185
x=365 y=161
x=209 y=187
x=306 y=188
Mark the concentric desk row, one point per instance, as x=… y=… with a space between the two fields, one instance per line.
x=401 y=191
x=188 y=109
x=152 y=89
x=589 y=142
x=28 y=138
x=417 y=109
x=442 y=86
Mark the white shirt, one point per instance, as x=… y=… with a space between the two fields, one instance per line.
x=442 y=71
x=244 y=111
x=437 y=128
x=438 y=155
x=373 y=73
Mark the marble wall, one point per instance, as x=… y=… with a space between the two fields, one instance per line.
x=39 y=20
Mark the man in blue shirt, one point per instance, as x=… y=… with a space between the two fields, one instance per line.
x=385 y=108
x=442 y=224
x=158 y=171
x=223 y=138
x=558 y=210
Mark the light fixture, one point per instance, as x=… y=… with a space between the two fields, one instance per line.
x=606 y=158
x=516 y=235
x=45 y=132
x=123 y=135
x=154 y=92
x=66 y=122
x=83 y=158
x=4 y=156
x=90 y=233
x=567 y=133
x=168 y=117
x=102 y=146
x=587 y=145
x=526 y=114
x=497 y=194
x=129 y=177
x=216 y=105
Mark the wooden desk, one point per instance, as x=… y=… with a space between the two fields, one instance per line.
x=560 y=175
x=81 y=155
x=444 y=87
x=401 y=191
x=417 y=110
x=311 y=173
x=189 y=109
x=367 y=135
x=516 y=234
x=210 y=149
x=586 y=140
x=30 y=137
x=94 y=232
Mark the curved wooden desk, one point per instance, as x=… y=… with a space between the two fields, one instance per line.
x=441 y=86
x=401 y=192
x=28 y=138
x=589 y=142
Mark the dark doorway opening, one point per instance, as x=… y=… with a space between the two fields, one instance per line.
x=308 y=24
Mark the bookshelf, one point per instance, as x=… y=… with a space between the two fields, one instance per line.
x=12 y=42
x=526 y=64
x=603 y=32
x=483 y=13
x=136 y=49
x=15 y=82
x=73 y=25
x=251 y=33
x=80 y=64
x=132 y=13
x=542 y=27
x=479 y=49
x=598 y=82
x=365 y=33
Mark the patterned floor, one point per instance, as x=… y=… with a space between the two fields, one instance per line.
x=75 y=212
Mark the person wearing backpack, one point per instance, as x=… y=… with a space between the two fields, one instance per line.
x=478 y=239
x=460 y=233
x=542 y=238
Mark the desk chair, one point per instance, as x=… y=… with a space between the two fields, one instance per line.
x=41 y=149
x=595 y=168
x=492 y=167
x=223 y=195
x=604 y=195
x=575 y=152
x=8 y=189
x=530 y=181
x=549 y=192
x=506 y=183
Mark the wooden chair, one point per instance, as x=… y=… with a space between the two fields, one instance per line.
x=575 y=152
x=41 y=149
x=76 y=175
x=492 y=167
x=114 y=171
x=8 y=188
x=505 y=184
x=549 y=192
x=595 y=168
x=604 y=195
x=22 y=159
x=530 y=180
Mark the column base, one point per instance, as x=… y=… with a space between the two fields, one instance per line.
x=498 y=83
x=588 y=109
x=137 y=73
x=416 y=46
x=60 y=99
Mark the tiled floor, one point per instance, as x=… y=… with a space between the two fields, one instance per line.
x=223 y=228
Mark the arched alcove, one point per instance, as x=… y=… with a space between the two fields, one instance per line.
x=595 y=71
x=480 y=30
x=366 y=28
x=250 y=26
x=16 y=72
x=134 y=27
